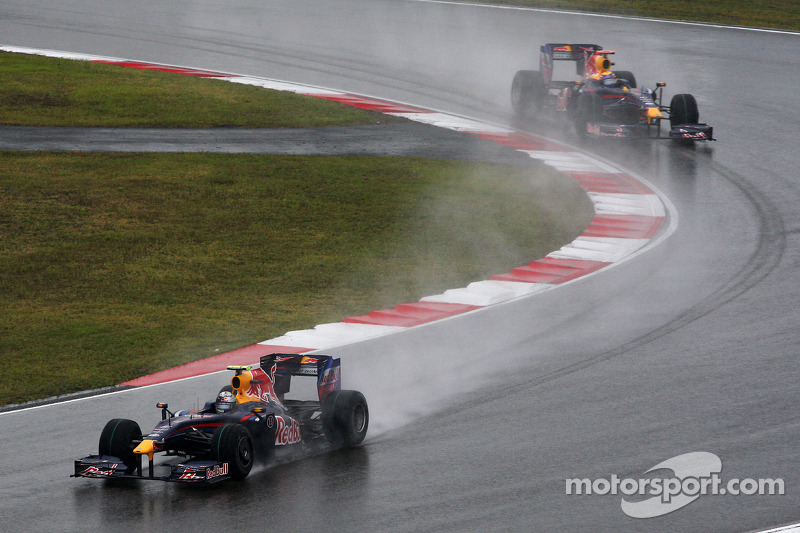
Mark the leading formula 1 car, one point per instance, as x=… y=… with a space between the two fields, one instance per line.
x=604 y=103
x=250 y=419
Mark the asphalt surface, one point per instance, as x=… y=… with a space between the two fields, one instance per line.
x=396 y=139
x=478 y=421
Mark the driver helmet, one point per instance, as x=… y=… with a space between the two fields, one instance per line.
x=610 y=80
x=225 y=402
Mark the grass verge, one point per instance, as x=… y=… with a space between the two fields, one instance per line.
x=117 y=265
x=42 y=91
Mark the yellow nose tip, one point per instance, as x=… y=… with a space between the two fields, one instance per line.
x=653 y=113
x=147 y=447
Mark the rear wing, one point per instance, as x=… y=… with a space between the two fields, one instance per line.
x=564 y=52
x=325 y=368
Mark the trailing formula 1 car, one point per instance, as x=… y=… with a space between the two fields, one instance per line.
x=603 y=103
x=250 y=419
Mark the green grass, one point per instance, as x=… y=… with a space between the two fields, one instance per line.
x=114 y=265
x=117 y=265
x=781 y=14
x=41 y=91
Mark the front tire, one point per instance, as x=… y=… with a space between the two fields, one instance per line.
x=345 y=418
x=683 y=110
x=232 y=444
x=118 y=440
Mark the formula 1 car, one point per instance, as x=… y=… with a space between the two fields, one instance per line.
x=250 y=419
x=603 y=103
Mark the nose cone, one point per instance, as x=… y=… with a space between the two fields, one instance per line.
x=147 y=447
x=652 y=114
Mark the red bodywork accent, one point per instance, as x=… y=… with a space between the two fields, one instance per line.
x=591 y=66
x=619 y=97
x=546 y=66
x=329 y=381
x=262 y=385
x=173 y=433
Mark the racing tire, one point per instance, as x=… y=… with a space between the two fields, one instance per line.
x=527 y=92
x=345 y=418
x=683 y=110
x=117 y=440
x=232 y=444
x=626 y=75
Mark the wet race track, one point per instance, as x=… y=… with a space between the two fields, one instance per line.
x=690 y=347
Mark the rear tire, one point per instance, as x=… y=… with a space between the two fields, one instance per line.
x=345 y=417
x=683 y=110
x=232 y=444
x=117 y=440
x=527 y=93
x=626 y=75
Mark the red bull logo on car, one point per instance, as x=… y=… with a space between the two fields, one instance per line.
x=287 y=433
x=262 y=386
x=93 y=471
x=328 y=381
x=218 y=470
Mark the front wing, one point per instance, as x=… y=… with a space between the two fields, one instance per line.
x=686 y=132
x=108 y=467
x=692 y=132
